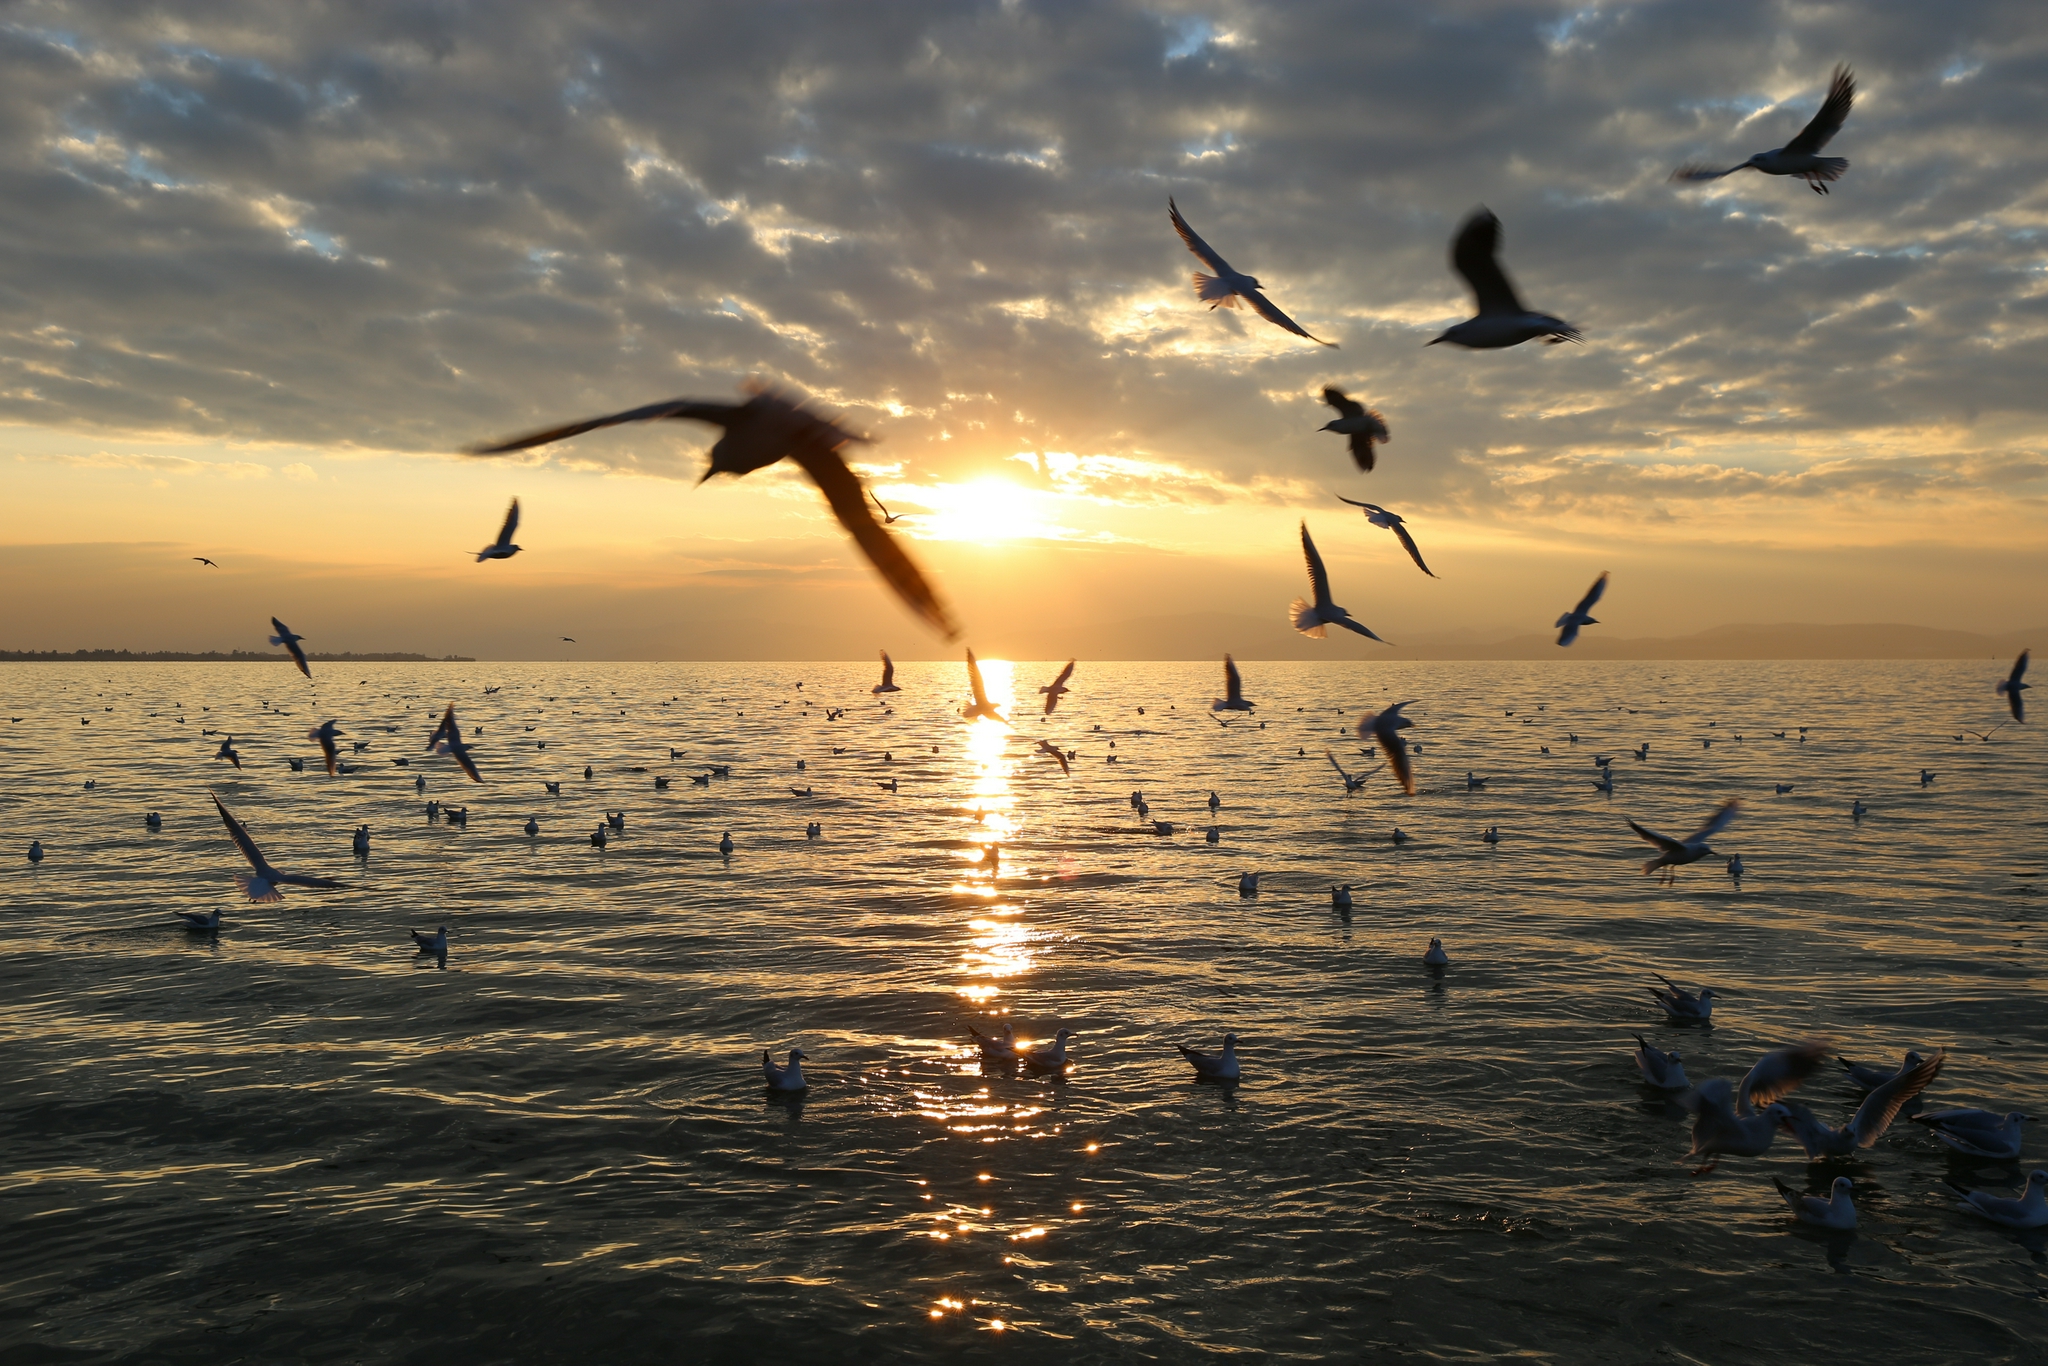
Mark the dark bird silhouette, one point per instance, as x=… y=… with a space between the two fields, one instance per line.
x=980 y=706
x=203 y=560
x=2013 y=684
x=888 y=518
x=1571 y=621
x=290 y=642
x=262 y=884
x=1384 y=728
x=448 y=737
x=1675 y=854
x=325 y=733
x=1048 y=747
x=1363 y=425
x=1227 y=286
x=769 y=427
x=888 y=683
x=502 y=548
x=1233 y=698
x=1801 y=156
x=1502 y=320
x=1313 y=618
x=1393 y=522
x=1057 y=689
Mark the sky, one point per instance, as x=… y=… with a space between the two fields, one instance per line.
x=266 y=268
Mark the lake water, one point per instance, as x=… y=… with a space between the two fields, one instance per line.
x=300 y=1140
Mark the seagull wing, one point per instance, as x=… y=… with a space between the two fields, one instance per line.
x=1779 y=1073
x=291 y=645
x=1265 y=308
x=1369 y=507
x=245 y=844
x=1717 y=822
x=1593 y=595
x=888 y=669
x=1318 y=577
x=1345 y=405
x=327 y=749
x=974 y=681
x=1204 y=253
x=1694 y=171
x=1233 y=684
x=1065 y=674
x=446 y=730
x=1883 y=1104
x=849 y=503
x=1834 y=111
x=461 y=753
x=511 y=527
x=1351 y=624
x=1475 y=254
x=718 y=413
x=1664 y=842
x=1408 y=544
x=1339 y=767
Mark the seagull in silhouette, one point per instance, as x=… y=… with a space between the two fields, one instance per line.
x=2013 y=684
x=201 y=924
x=1233 y=690
x=1048 y=747
x=888 y=683
x=1395 y=523
x=1571 y=621
x=1213 y=1066
x=1675 y=854
x=1502 y=319
x=570 y=639
x=1384 y=728
x=1363 y=425
x=888 y=518
x=1226 y=286
x=981 y=706
x=290 y=642
x=1351 y=784
x=203 y=560
x=263 y=883
x=1313 y=618
x=768 y=427
x=447 y=739
x=1872 y=1117
x=1057 y=689
x=325 y=733
x=227 y=752
x=502 y=548
x=1801 y=156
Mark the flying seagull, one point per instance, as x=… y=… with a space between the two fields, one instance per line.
x=448 y=736
x=502 y=548
x=2014 y=684
x=768 y=427
x=263 y=884
x=1352 y=782
x=1394 y=522
x=1675 y=854
x=1384 y=727
x=227 y=751
x=888 y=518
x=1059 y=757
x=1871 y=1119
x=570 y=639
x=1571 y=621
x=1362 y=424
x=290 y=642
x=325 y=733
x=1233 y=690
x=1313 y=618
x=1801 y=156
x=203 y=560
x=981 y=706
x=1057 y=689
x=888 y=683
x=1226 y=286
x=1502 y=319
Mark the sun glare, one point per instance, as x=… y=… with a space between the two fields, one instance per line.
x=984 y=512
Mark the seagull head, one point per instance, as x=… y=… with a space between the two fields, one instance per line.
x=798 y=1055
x=1843 y=1186
x=1706 y=993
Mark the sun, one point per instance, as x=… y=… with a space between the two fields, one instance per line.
x=983 y=512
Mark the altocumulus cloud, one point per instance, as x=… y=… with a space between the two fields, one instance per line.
x=411 y=226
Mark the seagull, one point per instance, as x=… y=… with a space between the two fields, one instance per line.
x=1502 y=320
x=1226 y=286
x=981 y=706
x=35 y=851
x=598 y=837
x=2013 y=684
x=725 y=844
x=502 y=548
x=263 y=886
x=325 y=733
x=1801 y=156
x=1778 y=1074
x=448 y=736
x=290 y=642
x=1472 y=783
x=768 y=427
x=1571 y=621
x=359 y=843
x=1213 y=1066
x=1053 y=1059
x=1681 y=1005
x=1340 y=899
x=1057 y=688
x=1384 y=727
x=1837 y=1212
x=1718 y=1131
x=1233 y=690
x=1735 y=869
x=1311 y=619
x=1048 y=747
x=2029 y=1211
x=532 y=827
x=1214 y=834
x=435 y=943
x=200 y=924
x=888 y=518
x=996 y=1047
x=1926 y=776
x=227 y=751
x=1248 y=884
x=888 y=683
x=154 y=820
x=1675 y=854
x=1978 y=1133
x=570 y=639
x=1362 y=424
x=1351 y=784
x=1872 y=1117
x=1435 y=957
x=788 y=1078
x=1392 y=521
x=203 y=560
x=1665 y=1071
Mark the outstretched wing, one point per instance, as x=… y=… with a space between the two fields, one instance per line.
x=1345 y=405
x=1593 y=595
x=1694 y=171
x=719 y=413
x=1339 y=767
x=1717 y=822
x=461 y=753
x=974 y=681
x=1233 y=684
x=511 y=527
x=1350 y=624
x=1065 y=674
x=446 y=730
x=244 y=843
x=1778 y=1074
x=1265 y=309
x=1204 y=253
x=1408 y=544
x=1475 y=255
x=1664 y=842
x=291 y=645
x=850 y=505
x=1318 y=577
x=888 y=669
x=1834 y=111
x=1883 y=1104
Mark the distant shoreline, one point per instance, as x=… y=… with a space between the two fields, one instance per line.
x=214 y=657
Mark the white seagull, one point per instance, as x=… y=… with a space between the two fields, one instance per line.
x=1871 y=1119
x=1213 y=1066
x=1312 y=618
x=1392 y=521
x=502 y=548
x=789 y=1078
x=1675 y=854
x=1681 y=1005
x=1718 y=1131
x=1801 y=156
x=1351 y=784
x=996 y=1047
x=1502 y=319
x=1571 y=621
x=1837 y=1212
x=1226 y=286
x=264 y=884
x=1052 y=1058
x=2029 y=1211
x=1978 y=1133
x=1363 y=425
x=1665 y=1071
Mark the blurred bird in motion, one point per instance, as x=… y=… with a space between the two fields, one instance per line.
x=1502 y=319
x=1363 y=425
x=502 y=548
x=1801 y=156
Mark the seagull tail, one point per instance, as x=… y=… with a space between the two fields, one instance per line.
x=1214 y=292
x=1302 y=613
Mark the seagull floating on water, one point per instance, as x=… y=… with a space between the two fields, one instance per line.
x=771 y=426
x=1681 y=1005
x=1675 y=854
x=1363 y=425
x=996 y=1047
x=435 y=943
x=1801 y=156
x=1837 y=1212
x=1312 y=618
x=1571 y=621
x=1434 y=956
x=200 y=923
x=1978 y=1133
x=1502 y=319
x=502 y=548
x=786 y=1078
x=2013 y=684
x=1052 y=1058
x=1213 y=1066
x=1665 y=1071
x=2029 y=1211
x=1227 y=286
x=1380 y=517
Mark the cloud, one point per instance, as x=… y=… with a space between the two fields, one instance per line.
x=409 y=230
x=168 y=464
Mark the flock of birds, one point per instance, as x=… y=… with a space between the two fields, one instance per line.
x=770 y=425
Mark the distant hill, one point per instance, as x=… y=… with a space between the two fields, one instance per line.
x=213 y=657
